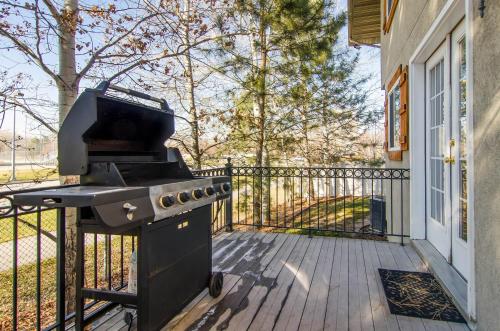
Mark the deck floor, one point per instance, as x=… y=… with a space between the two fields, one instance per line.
x=292 y=282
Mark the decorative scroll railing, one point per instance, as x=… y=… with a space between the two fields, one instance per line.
x=35 y=289
x=355 y=201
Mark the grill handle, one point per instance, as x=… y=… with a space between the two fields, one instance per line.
x=105 y=85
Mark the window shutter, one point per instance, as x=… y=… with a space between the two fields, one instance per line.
x=386 y=125
x=403 y=112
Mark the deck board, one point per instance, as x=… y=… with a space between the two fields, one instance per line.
x=259 y=292
x=293 y=282
x=313 y=316
x=272 y=304
x=292 y=308
x=337 y=309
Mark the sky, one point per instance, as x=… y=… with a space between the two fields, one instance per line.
x=369 y=64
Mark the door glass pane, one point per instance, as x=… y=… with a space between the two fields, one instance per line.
x=436 y=134
x=462 y=122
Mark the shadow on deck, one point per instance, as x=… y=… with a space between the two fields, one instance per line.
x=276 y=281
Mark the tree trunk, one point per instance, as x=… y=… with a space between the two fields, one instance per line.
x=68 y=79
x=261 y=96
x=307 y=151
x=68 y=91
x=190 y=86
x=259 y=106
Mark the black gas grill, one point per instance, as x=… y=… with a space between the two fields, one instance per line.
x=132 y=184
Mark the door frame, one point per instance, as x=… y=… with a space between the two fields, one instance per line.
x=449 y=17
x=459 y=246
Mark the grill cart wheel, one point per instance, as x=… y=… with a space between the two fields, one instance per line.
x=215 y=284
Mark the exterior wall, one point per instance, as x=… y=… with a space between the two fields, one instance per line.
x=486 y=126
x=411 y=21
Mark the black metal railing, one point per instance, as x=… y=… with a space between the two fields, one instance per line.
x=35 y=291
x=221 y=209
x=355 y=201
x=34 y=287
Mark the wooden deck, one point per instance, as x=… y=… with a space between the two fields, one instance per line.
x=292 y=282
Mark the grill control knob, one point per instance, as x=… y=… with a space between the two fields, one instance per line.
x=225 y=187
x=197 y=194
x=183 y=197
x=167 y=201
x=209 y=190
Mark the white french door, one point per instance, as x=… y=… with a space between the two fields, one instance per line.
x=438 y=134
x=446 y=146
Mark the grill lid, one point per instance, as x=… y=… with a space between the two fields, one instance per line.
x=101 y=128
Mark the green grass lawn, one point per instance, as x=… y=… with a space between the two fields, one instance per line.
x=323 y=214
x=26 y=225
x=30 y=174
x=333 y=213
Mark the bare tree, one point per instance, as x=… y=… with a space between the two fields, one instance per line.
x=194 y=80
x=73 y=40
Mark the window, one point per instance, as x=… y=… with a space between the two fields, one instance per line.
x=390 y=8
x=394 y=106
x=396 y=115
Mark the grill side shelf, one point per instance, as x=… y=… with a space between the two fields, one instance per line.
x=79 y=196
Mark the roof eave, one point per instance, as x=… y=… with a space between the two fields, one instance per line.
x=364 y=26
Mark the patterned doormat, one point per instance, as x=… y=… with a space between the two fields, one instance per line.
x=418 y=294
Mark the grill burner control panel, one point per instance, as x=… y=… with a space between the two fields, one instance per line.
x=172 y=199
x=169 y=200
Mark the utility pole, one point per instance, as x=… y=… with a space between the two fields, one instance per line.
x=13 y=160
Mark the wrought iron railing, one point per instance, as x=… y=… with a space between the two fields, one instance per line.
x=355 y=201
x=34 y=287
x=221 y=209
x=35 y=291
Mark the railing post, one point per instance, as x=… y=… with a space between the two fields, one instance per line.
x=401 y=208
x=14 y=267
x=61 y=267
x=229 y=200
x=80 y=273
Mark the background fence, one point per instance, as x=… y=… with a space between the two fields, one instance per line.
x=33 y=282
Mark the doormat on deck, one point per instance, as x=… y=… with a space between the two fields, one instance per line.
x=418 y=294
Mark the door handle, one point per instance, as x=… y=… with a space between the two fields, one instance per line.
x=449 y=159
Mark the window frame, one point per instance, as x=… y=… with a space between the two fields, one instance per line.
x=389 y=14
x=396 y=114
x=399 y=77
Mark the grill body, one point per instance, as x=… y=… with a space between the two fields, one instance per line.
x=170 y=280
x=131 y=184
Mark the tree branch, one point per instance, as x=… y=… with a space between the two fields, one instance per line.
x=96 y=55
x=29 y=112
x=53 y=10
x=28 y=51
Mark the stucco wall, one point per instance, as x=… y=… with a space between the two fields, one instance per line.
x=412 y=20
x=486 y=123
